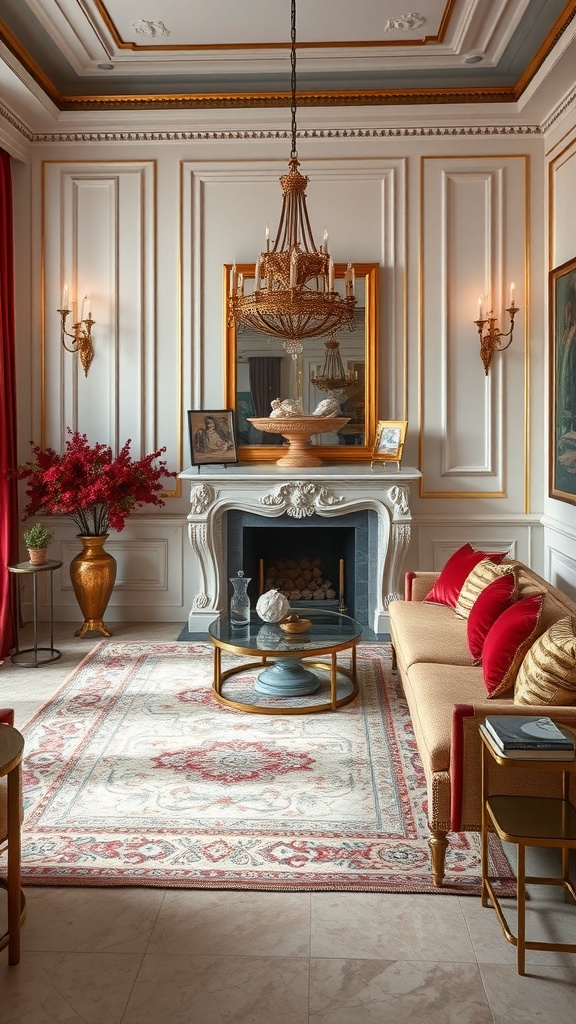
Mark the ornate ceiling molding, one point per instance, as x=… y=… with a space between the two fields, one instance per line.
x=260 y=136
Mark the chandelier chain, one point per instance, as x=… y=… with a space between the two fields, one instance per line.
x=294 y=153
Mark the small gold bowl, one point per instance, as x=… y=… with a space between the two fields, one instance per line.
x=294 y=624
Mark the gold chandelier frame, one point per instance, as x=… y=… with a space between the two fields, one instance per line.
x=294 y=294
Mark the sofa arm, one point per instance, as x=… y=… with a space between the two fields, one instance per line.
x=417 y=585
x=466 y=753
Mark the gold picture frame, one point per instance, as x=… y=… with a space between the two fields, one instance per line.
x=389 y=442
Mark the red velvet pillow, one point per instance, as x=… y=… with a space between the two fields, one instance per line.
x=489 y=604
x=507 y=642
x=457 y=568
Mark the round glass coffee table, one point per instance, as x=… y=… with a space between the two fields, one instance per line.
x=291 y=681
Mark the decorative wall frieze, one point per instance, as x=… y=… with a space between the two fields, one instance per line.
x=259 y=135
x=559 y=111
x=437 y=131
x=8 y=116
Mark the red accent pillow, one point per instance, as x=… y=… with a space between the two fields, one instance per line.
x=489 y=604
x=507 y=642
x=457 y=568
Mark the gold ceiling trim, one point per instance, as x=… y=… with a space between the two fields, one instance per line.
x=328 y=98
x=226 y=47
x=555 y=33
x=33 y=69
x=343 y=97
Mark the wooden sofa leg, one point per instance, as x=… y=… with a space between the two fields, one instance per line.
x=394 y=662
x=438 y=843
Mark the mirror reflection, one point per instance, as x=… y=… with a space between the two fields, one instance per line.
x=259 y=370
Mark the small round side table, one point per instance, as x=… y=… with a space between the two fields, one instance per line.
x=11 y=748
x=48 y=653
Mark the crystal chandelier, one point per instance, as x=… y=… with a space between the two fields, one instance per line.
x=294 y=295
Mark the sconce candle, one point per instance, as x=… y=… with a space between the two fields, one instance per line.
x=479 y=307
x=512 y=293
x=81 y=333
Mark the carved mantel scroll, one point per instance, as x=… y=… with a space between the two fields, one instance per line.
x=311 y=494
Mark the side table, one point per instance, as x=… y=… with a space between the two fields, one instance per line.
x=545 y=822
x=50 y=653
x=11 y=748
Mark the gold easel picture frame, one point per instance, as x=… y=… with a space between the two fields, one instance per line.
x=389 y=442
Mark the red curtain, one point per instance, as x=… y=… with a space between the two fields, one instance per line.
x=8 y=453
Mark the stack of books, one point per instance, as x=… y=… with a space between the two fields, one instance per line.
x=529 y=738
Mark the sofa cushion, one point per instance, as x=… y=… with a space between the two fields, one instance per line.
x=482 y=576
x=449 y=583
x=547 y=674
x=428 y=632
x=507 y=642
x=493 y=600
x=432 y=691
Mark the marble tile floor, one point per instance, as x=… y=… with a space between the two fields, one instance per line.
x=153 y=956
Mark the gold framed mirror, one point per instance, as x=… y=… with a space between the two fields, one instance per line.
x=258 y=370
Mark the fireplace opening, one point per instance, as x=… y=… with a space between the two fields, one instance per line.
x=324 y=565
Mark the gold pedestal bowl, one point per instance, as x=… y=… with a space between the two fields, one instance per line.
x=298 y=430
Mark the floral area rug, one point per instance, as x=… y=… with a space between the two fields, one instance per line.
x=135 y=775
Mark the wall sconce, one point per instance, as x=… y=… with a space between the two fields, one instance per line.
x=81 y=333
x=490 y=336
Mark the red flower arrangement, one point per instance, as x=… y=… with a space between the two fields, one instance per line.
x=86 y=483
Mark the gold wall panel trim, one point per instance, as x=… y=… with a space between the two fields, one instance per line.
x=478 y=158
x=464 y=494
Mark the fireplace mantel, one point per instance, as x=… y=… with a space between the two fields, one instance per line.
x=311 y=493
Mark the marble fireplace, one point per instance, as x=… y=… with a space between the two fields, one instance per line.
x=368 y=510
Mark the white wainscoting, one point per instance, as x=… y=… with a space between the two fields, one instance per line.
x=436 y=538
x=560 y=553
x=152 y=556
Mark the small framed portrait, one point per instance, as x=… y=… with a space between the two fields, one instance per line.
x=212 y=436
x=389 y=443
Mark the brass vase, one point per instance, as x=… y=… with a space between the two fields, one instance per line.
x=93 y=574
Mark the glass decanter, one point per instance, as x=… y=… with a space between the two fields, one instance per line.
x=239 y=601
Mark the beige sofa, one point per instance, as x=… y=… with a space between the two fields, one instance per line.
x=447 y=700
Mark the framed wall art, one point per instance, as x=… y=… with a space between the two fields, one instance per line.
x=212 y=436
x=562 y=304
x=389 y=442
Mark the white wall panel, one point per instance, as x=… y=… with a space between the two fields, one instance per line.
x=473 y=243
x=99 y=238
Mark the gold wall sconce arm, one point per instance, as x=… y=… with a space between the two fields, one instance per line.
x=490 y=336
x=81 y=338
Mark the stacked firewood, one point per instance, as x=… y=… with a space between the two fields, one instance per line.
x=300 y=579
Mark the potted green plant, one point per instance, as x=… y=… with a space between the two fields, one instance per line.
x=37 y=539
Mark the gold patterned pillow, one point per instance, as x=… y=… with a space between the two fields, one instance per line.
x=548 y=673
x=482 y=576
